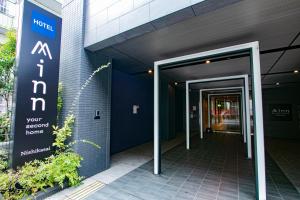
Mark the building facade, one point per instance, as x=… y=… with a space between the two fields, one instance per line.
x=133 y=34
x=92 y=26
x=9 y=12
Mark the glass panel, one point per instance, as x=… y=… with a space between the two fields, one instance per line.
x=3 y=6
x=225 y=113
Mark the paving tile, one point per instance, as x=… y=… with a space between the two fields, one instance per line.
x=214 y=168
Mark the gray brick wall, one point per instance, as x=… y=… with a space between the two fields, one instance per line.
x=75 y=67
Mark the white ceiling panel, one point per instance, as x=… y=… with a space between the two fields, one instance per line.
x=274 y=23
x=214 y=69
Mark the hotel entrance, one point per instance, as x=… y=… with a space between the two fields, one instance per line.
x=225 y=113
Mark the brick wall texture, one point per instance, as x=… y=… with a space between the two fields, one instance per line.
x=75 y=67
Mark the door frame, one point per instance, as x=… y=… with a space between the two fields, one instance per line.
x=251 y=48
x=245 y=115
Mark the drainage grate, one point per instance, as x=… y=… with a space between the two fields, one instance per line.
x=86 y=191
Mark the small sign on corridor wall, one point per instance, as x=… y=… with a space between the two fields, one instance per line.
x=281 y=112
x=298 y=115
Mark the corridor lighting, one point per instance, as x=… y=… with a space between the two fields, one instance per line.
x=296 y=71
x=176 y=83
x=150 y=71
x=277 y=83
x=207 y=61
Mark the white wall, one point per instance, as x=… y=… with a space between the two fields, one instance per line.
x=9 y=19
x=107 y=18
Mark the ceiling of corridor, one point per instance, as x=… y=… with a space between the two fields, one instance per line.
x=274 y=23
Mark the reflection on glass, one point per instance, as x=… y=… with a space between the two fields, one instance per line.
x=225 y=113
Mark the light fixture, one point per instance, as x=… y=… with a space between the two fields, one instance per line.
x=150 y=71
x=176 y=83
x=296 y=71
x=207 y=61
x=277 y=83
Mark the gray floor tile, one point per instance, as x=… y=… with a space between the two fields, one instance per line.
x=215 y=168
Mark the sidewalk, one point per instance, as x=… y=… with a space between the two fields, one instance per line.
x=121 y=164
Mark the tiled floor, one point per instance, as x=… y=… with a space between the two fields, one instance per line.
x=286 y=153
x=214 y=168
x=121 y=164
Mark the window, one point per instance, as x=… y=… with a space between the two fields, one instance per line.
x=3 y=6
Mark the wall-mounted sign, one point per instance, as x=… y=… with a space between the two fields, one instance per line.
x=36 y=85
x=135 y=109
x=281 y=112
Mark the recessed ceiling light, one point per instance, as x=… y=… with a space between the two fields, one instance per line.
x=207 y=61
x=277 y=83
x=176 y=83
x=296 y=71
x=150 y=71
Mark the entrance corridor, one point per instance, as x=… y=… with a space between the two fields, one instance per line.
x=215 y=168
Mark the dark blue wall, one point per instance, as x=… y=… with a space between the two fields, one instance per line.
x=282 y=129
x=128 y=129
x=181 y=112
x=194 y=101
x=167 y=109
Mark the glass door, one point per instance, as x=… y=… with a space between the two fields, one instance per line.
x=225 y=113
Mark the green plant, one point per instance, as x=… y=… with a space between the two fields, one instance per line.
x=58 y=169
x=63 y=168
x=3 y=160
x=7 y=60
x=60 y=99
x=37 y=175
x=61 y=134
x=4 y=126
x=8 y=188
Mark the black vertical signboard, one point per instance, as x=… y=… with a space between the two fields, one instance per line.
x=36 y=86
